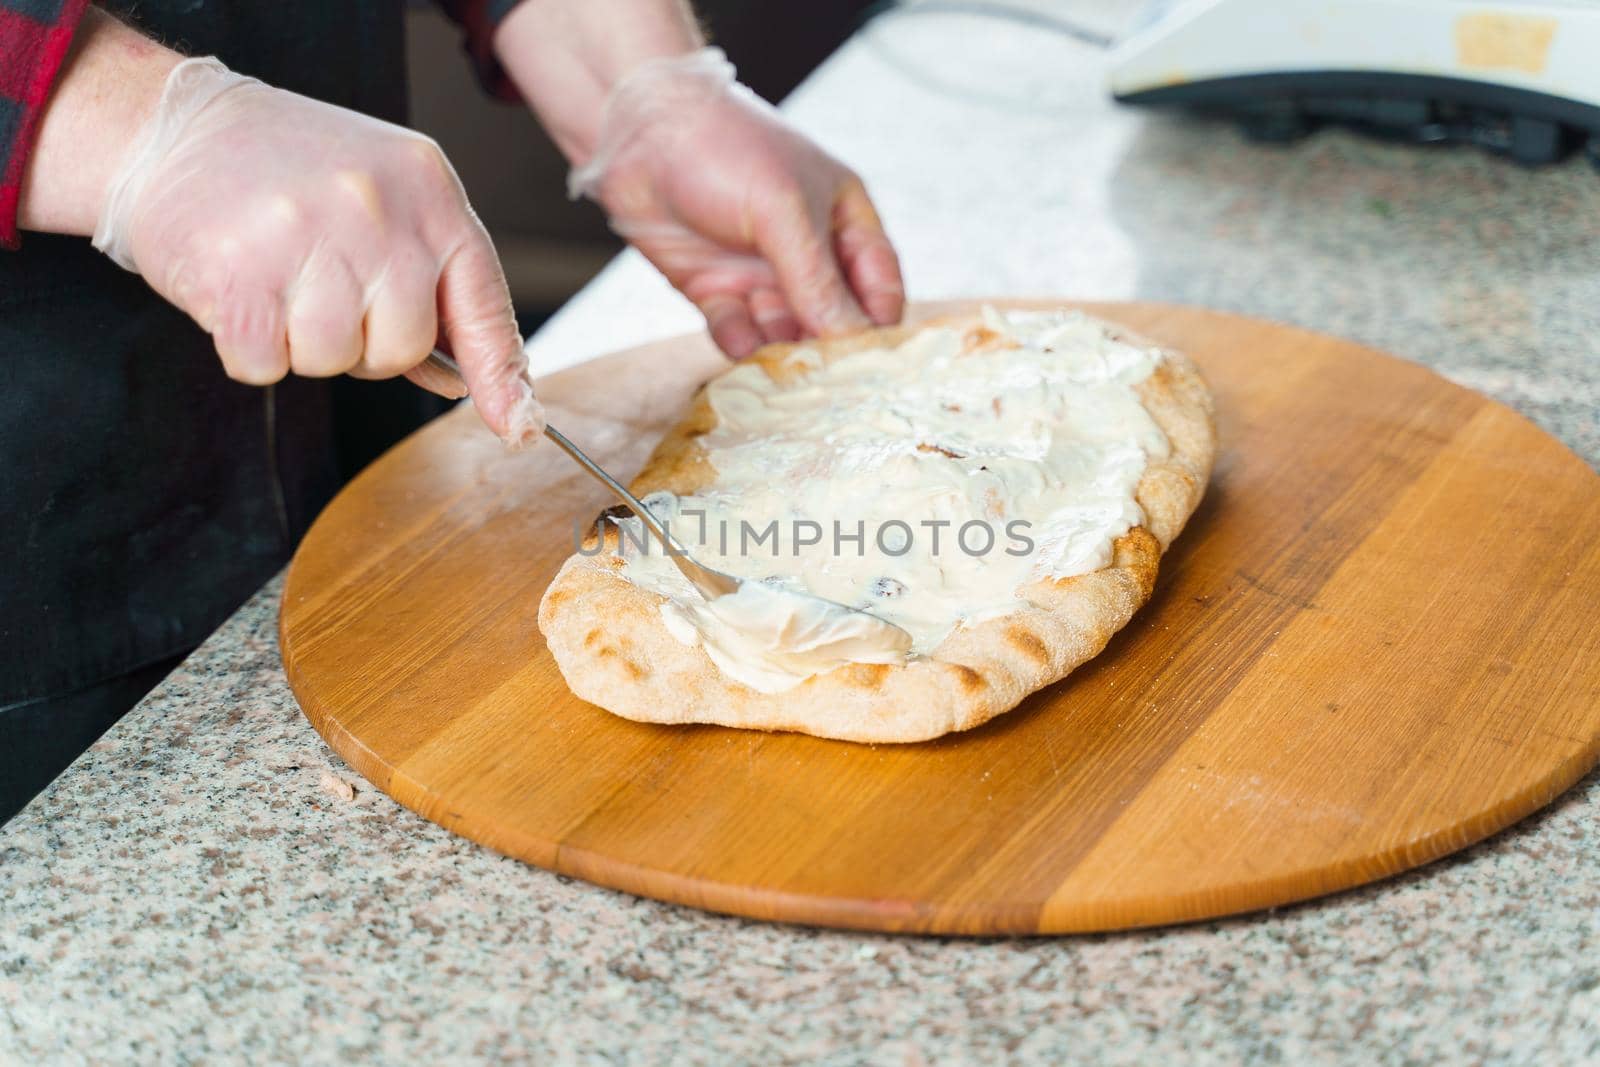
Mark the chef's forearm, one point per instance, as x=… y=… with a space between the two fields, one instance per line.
x=565 y=55
x=108 y=86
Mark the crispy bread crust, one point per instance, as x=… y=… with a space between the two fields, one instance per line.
x=608 y=638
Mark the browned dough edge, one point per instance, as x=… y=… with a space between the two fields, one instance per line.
x=607 y=636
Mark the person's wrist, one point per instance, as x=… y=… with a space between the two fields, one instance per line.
x=108 y=91
x=567 y=56
x=660 y=98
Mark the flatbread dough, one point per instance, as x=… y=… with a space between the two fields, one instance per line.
x=609 y=640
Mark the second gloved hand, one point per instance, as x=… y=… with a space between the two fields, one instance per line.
x=769 y=235
x=308 y=238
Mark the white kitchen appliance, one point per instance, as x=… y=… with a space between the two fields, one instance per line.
x=1518 y=77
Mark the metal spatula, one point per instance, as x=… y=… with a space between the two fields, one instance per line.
x=710 y=583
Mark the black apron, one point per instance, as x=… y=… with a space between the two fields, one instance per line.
x=144 y=495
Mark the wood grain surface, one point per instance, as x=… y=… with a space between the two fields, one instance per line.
x=1375 y=643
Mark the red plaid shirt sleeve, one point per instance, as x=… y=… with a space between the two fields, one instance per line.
x=479 y=18
x=34 y=38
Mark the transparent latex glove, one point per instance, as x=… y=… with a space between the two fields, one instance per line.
x=304 y=237
x=769 y=235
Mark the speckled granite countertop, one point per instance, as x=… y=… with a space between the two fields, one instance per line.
x=211 y=883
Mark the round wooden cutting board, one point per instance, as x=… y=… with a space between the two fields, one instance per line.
x=1376 y=642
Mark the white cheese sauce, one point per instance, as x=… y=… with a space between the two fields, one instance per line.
x=924 y=483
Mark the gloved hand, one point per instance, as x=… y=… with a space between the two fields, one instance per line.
x=766 y=233
x=306 y=237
